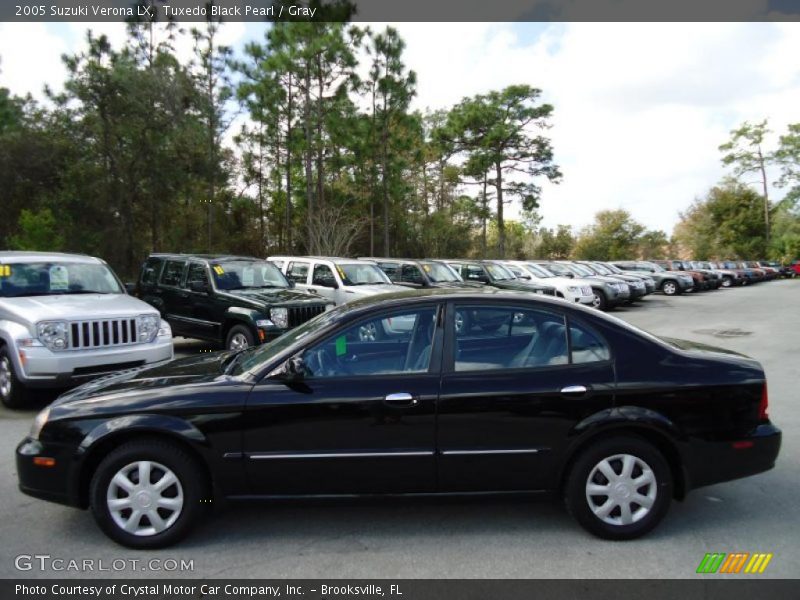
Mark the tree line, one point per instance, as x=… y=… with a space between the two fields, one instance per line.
x=139 y=152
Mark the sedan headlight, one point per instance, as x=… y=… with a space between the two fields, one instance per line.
x=39 y=422
x=149 y=326
x=53 y=334
x=279 y=316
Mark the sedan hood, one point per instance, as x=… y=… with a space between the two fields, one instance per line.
x=75 y=307
x=195 y=369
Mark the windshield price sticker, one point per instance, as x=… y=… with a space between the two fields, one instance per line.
x=218 y=270
x=341 y=272
x=59 y=278
x=426 y=268
x=5 y=270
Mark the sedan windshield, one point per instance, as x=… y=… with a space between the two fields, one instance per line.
x=439 y=273
x=247 y=274
x=51 y=278
x=362 y=274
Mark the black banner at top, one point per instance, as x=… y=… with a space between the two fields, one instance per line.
x=399 y=10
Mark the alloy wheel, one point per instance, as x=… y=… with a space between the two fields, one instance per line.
x=621 y=489
x=368 y=332
x=670 y=288
x=5 y=377
x=144 y=498
x=238 y=342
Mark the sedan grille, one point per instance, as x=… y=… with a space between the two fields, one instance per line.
x=300 y=314
x=103 y=333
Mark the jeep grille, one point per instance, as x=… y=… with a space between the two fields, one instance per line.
x=103 y=333
x=301 y=314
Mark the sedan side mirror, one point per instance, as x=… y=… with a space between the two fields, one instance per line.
x=293 y=369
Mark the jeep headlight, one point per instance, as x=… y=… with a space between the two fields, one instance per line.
x=573 y=289
x=164 y=330
x=279 y=316
x=39 y=422
x=53 y=334
x=148 y=327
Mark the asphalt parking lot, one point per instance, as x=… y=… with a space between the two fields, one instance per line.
x=478 y=537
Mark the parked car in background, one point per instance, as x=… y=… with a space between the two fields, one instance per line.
x=749 y=275
x=415 y=273
x=608 y=292
x=65 y=319
x=730 y=277
x=341 y=280
x=757 y=274
x=714 y=277
x=556 y=398
x=785 y=271
x=635 y=283
x=769 y=272
x=702 y=281
x=795 y=266
x=649 y=282
x=236 y=301
x=670 y=283
x=495 y=274
x=573 y=290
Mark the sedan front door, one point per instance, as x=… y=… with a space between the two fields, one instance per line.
x=362 y=419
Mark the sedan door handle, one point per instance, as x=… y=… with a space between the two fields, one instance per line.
x=402 y=398
x=574 y=390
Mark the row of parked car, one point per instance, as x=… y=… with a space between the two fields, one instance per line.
x=65 y=319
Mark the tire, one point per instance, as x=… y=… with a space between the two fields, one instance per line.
x=162 y=456
x=727 y=281
x=13 y=393
x=370 y=332
x=239 y=335
x=670 y=288
x=612 y=522
x=600 y=301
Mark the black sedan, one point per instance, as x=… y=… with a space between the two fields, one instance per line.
x=555 y=398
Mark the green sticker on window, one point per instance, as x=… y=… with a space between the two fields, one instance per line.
x=341 y=345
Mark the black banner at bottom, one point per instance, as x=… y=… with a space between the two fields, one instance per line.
x=401 y=589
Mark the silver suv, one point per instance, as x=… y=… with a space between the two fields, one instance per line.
x=66 y=318
x=339 y=279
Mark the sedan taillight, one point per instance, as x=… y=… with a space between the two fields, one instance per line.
x=762 y=408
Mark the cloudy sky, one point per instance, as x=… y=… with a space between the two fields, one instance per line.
x=640 y=109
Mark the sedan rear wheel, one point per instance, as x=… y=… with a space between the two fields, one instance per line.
x=620 y=488
x=147 y=494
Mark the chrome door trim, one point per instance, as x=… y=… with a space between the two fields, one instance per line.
x=293 y=455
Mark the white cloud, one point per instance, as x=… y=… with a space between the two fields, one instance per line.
x=30 y=55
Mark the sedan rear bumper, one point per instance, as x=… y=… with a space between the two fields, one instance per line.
x=708 y=463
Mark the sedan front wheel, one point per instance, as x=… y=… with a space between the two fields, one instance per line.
x=147 y=494
x=619 y=489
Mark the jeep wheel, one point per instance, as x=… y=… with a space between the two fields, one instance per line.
x=239 y=338
x=599 y=301
x=670 y=288
x=13 y=393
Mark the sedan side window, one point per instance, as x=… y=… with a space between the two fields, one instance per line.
x=298 y=272
x=489 y=338
x=587 y=346
x=385 y=345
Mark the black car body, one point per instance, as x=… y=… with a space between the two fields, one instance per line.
x=556 y=398
x=237 y=301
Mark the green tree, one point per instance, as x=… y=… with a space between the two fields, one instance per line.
x=499 y=129
x=745 y=153
x=614 y=235
x=788 y=157
x=555 y=244
x=38 y=230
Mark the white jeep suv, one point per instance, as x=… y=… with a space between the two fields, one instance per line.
x=65 y=319
x=572 y=290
